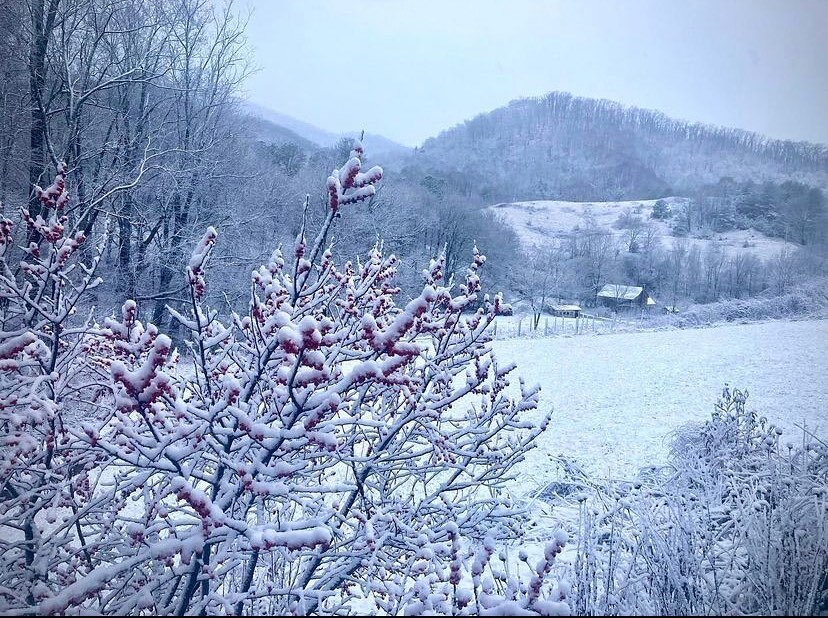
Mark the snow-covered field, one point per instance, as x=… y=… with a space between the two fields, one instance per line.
x=537 y=222
x=618 y=396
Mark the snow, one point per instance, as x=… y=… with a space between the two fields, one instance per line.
x=616 y=397
x=620 y=292
x=535 y=222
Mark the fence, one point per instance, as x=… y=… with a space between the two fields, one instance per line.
x=510 y=327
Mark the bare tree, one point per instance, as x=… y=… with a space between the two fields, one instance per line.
x=206 y=66
x=540 y=278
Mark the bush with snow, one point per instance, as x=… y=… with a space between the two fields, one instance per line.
x=736 y=525
x=331 y=450
x=44 y=379
x=805 y=300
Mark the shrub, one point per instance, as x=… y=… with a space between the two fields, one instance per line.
x=328 y=451
x=44 y=383
x=735 y=525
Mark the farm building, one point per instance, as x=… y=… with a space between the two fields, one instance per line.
x=618 y=297
x=566 y=311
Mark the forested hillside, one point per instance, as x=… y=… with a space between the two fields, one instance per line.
x=564 y=147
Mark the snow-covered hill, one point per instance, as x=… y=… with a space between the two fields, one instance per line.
x=537 y=222
x=579 y=148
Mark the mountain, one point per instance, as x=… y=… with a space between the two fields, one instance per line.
x=563 y=147
x=376 y=145
x=305 y=130
x=265 y=130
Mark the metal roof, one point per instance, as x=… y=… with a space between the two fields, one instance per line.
x=620 y=292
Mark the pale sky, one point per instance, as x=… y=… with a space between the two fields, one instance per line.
x=407 y=69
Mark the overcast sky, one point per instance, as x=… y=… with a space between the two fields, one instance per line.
x=408 y=69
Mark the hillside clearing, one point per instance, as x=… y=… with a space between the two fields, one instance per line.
x=537 y=222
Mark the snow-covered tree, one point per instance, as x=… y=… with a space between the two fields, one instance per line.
x=539 y=282
x=43 y=383
x=331 y=450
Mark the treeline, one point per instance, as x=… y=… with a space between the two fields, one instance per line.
x=563 y=147
x=137 y=98
x=790 y=210
x=416 y=215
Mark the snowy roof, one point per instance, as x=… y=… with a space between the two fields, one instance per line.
x=620 y=292
x=566 y=308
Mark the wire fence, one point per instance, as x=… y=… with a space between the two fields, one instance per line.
x=529 y=326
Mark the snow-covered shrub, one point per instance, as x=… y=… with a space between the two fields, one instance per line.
x=43 y=383
x=738 y=524
x=332 y=450
x=803 y=301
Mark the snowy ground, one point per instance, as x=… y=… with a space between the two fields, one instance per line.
x=536 y=222
x=618 y=396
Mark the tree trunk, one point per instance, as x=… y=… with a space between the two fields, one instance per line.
x=43 y=19
x=126 y=275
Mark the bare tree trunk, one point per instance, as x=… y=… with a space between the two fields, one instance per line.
x=43 y=21
x=126 y=274
x=180 y=218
